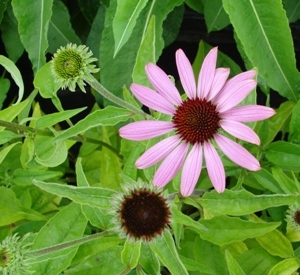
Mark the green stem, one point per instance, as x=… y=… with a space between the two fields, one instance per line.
x=51 y=249
x=111 y=97
x=17 y=128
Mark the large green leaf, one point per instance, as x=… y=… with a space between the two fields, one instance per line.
x=165 y=249
x=33 y=18
x=287 y=266
x=284 y=154
x=294 y=134
x=60 y=29
x=116 y=71
x=109 y=116
x=215 y=16
x=223 y=229
x=241 y=202
x=12 y=209
x=93 y=196
x=15 y=74
x=264 y=23
x=124 y=20
x=292 y=8
x=67 y=225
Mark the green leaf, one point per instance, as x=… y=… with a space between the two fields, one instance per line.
x=116 y=71
x=257 y=261
x=33 y=18
x=275 y=123
x=124 y=20
x=146 y=53
x=96 y=216
x=290 y=186
x=12 y=209
x=4 y=88
x=131 y=253
x=223 y=230
x=50 y=152
x=276 y=244
x=276 y=67
x=215 y=16
x=8 y=114
x=241 y=202
x=267 y=180
x=233 y=267
x=15 y=74
x=3 y=6
x=294 y=133
x=284 y=154
x=287 y=266
x=60 y=31
x=292 y=8
x=6 y=150
x=105 y=117
x=54 y=118
x=149 y=260
x=10 y=35
x=6 y=136
x=25 y=177
x=93 y=196
x=165 y=249
x=67 y=225
x=45 y=82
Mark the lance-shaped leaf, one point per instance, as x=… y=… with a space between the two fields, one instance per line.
x=93 y=196
x=33 y=19
x=263 y=29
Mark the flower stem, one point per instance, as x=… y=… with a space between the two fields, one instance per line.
x=111 y=97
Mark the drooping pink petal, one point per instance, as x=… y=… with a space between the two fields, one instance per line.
x=237 y=153
x=248 y=113
x=147 y=129
x=231 y=95
x=157 y=152
x=170 y=165
x=240 y=131
x=186 y=74
x=163 y=84
x=215 y=168
x=152 y=99
x=207 y=73
x=191 y=170
x=219 y=81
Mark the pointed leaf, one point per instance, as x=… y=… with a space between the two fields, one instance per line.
x=131 y=253
x=93 y=196
x=276 y=67
x=33 y=18
x=125 y=19
x=165 y=249
x=242 y=202
x=15 y=74
x=233 y=267
x=109 y=116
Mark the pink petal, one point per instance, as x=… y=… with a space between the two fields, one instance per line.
x=237 y=153
x=215 y=168
x=240 y=131
x=191 y=170
x=157 y=152
x=186 y=74
x=248 y=113
x=152 y=99
x=233 y=94
x=141 y=130
x=170 y=165
x=163 y=84
x=207 y=73
x=219 y=81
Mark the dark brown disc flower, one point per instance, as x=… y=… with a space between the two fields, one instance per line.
x=141 y=212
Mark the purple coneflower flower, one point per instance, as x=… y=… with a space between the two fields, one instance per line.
x=197 y=122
